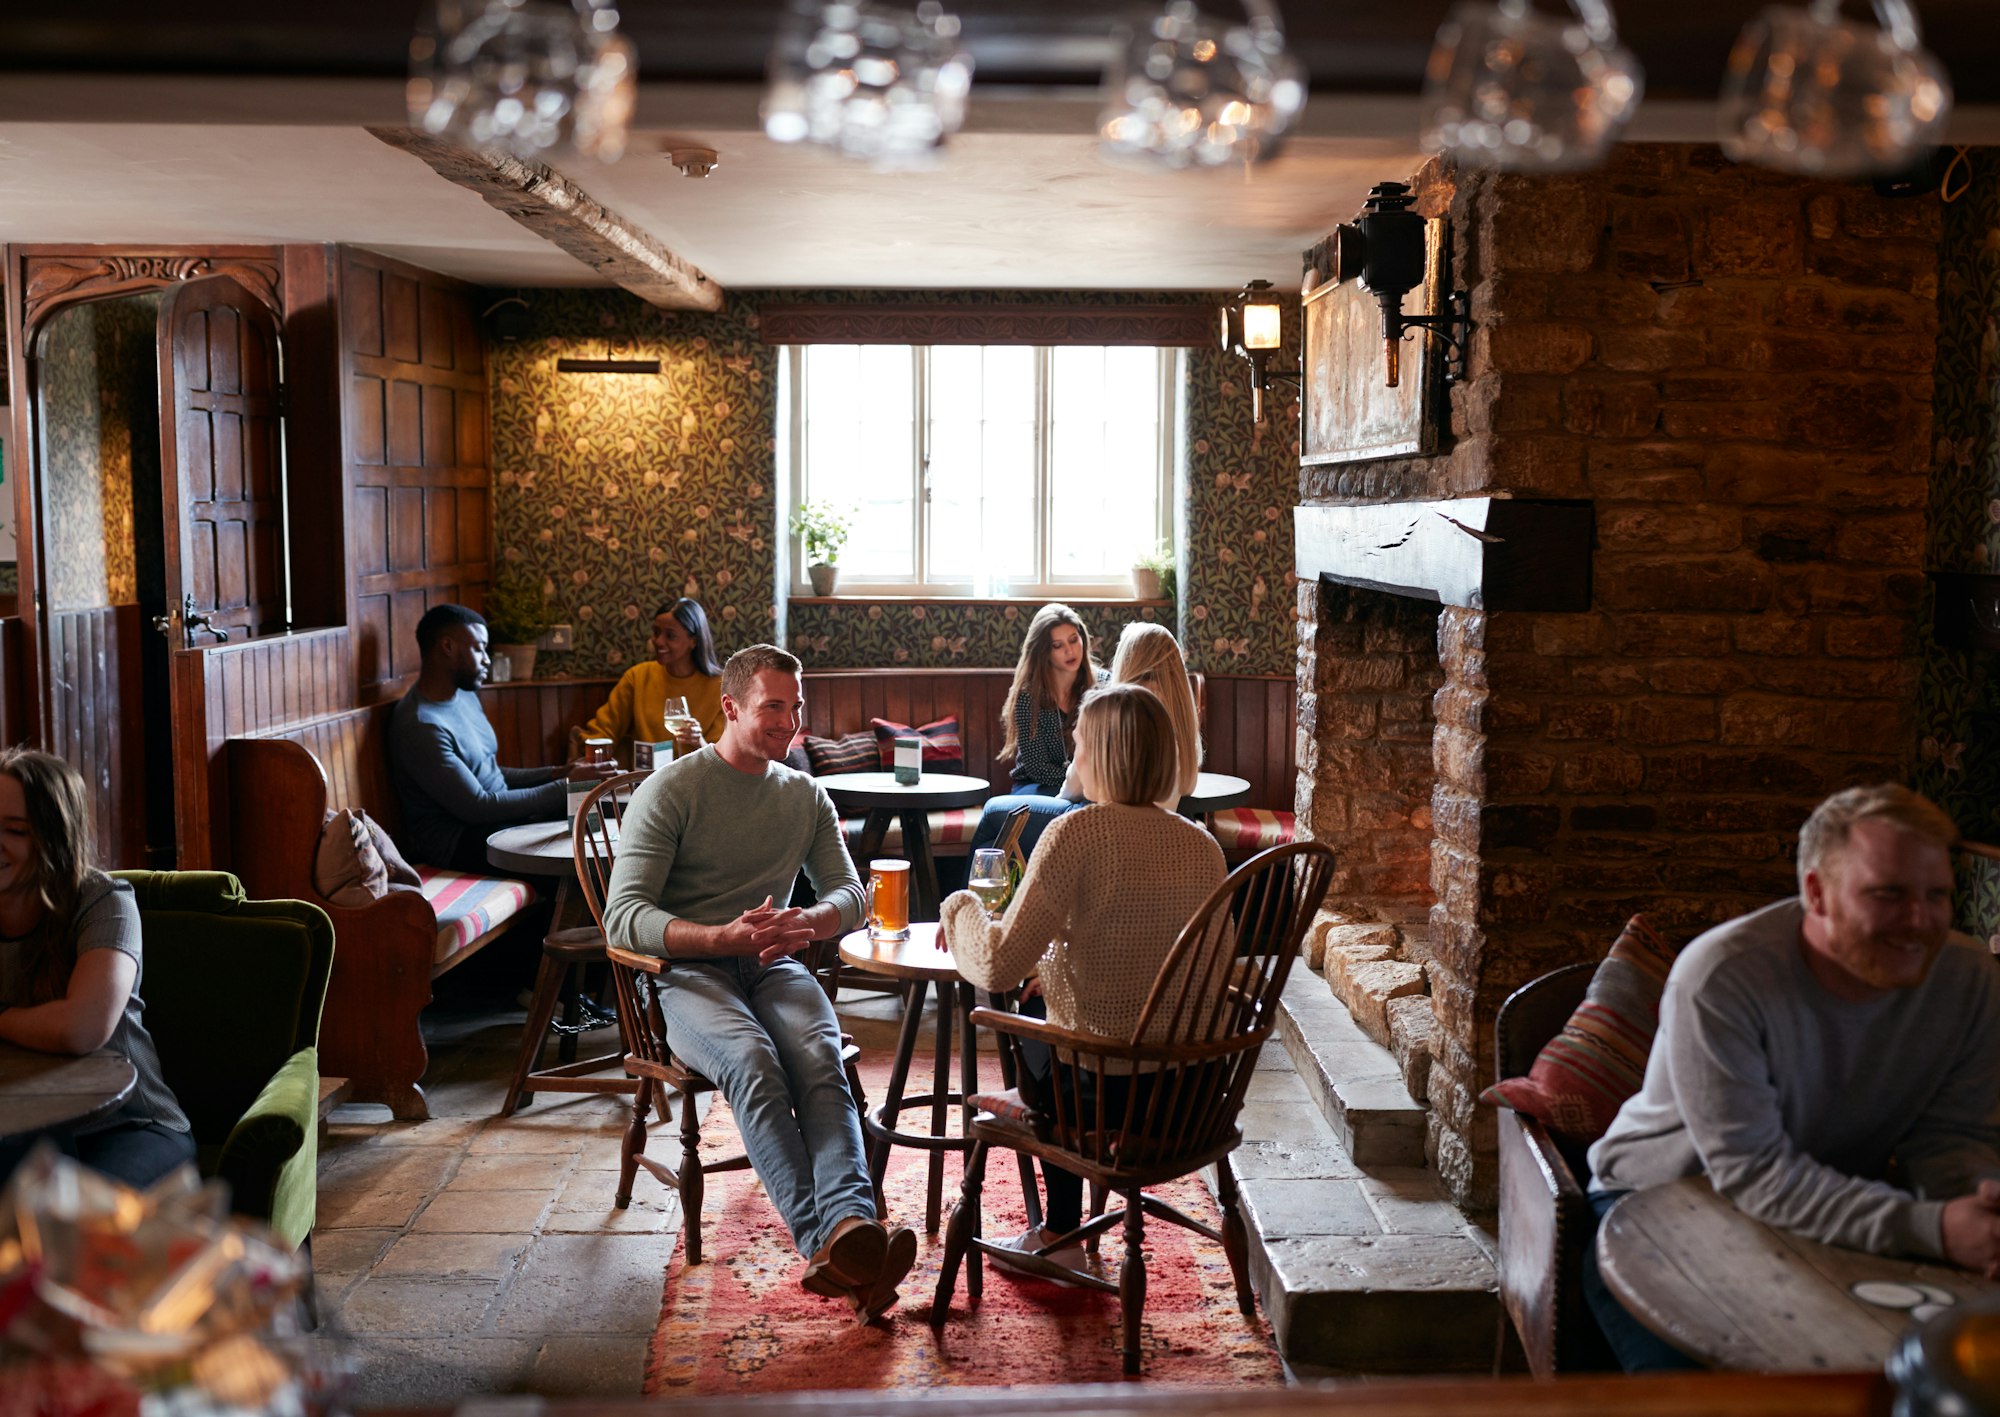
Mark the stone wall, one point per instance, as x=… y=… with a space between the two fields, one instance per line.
x=1734 y=367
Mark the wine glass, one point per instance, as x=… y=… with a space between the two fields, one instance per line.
x=988 y=879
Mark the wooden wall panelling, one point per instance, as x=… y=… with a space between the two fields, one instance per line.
x=318 y=511
x=240 y=690
x=94 y=668
x=16 y=723
x=417 y=467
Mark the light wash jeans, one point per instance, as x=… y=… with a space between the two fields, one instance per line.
x=769 y=1040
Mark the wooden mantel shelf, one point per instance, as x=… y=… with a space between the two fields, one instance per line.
x=1488 y=553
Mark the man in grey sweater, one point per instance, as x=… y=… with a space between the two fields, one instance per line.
x=1806 y=1047
x=444 y=756
x=707 y=847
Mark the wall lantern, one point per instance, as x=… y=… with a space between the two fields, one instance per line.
x=1386 y=246
x=1253 y=328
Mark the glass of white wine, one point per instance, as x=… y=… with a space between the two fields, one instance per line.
x=678 y=721
x=988 y=879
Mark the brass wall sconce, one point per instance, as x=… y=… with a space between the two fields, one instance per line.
x=1386 y=247
x=1253 y=329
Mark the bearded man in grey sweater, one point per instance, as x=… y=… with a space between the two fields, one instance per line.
x=707 y=847
x=1808 y=1047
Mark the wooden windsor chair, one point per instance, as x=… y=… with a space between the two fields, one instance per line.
x=650 y=1059
x=1190 y=1057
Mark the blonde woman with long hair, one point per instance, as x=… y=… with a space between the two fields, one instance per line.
x=1149 y=656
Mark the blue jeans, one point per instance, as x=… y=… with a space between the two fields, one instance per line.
x=1639 y=1349
x=768 y=1038
x=1042 y=809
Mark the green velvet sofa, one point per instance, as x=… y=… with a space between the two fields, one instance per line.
x=233 y=991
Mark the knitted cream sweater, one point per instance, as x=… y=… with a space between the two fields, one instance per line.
x=1108 y=889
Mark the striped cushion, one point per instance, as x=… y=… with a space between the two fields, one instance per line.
x=468 y=906
x=1252 y=828
x=853 y=753
x=1586 y=1072
x=952 y=828
x=944 y=750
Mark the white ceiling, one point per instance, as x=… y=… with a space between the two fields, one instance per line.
x=1021 y=200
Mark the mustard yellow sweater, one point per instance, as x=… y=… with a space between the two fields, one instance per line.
x=637 y=706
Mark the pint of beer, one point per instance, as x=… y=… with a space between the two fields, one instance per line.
x=889 y=900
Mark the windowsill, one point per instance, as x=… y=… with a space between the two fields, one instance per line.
x=863 y=598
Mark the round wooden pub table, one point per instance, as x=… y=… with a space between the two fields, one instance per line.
x=921 y=964
x=1735 y=1293
x=884 y=799
x=43 y=1091
x=544 y=849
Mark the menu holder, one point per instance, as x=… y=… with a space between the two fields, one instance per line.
x=647 y=756
x=1009 y=841
x=909 y=761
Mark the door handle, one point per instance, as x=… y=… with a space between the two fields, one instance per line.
x=191 y=620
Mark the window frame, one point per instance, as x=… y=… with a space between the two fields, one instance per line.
x=919 y=585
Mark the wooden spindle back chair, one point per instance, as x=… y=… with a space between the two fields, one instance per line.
x=640 y=980
x=1189 y=1057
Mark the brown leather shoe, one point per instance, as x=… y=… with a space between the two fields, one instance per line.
x=850 y=1259
x=874 y=1300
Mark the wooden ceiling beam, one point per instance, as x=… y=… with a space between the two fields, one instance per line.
x=563 y=214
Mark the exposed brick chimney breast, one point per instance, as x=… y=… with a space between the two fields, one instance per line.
x=1734 y=369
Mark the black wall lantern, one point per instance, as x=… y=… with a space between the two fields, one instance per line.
x=1385 y=246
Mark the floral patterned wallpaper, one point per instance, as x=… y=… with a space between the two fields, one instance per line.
x=1958 y=692
x=623 y=491
x=99 y=372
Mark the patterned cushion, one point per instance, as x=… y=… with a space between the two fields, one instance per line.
x=1252 y=828
x=1585 y=1073
x=468 y=906
x=944 y=750
x=855 y=752
x=950 y=828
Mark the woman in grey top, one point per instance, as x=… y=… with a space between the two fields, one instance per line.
x=69 y=968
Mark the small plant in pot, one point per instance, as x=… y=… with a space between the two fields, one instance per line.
x=1153 y=574
x=822 y=529
x=517 y=615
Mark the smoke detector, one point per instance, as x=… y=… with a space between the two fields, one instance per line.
x=695 y=162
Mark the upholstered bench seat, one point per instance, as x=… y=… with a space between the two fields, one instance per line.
x=469 y=906
x=951 y=831
x=1252 y=829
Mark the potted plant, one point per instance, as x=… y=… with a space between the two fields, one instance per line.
x=517 y=615
x=822 y=528
x=1153 y=574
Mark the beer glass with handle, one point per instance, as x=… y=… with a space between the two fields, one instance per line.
x=889 y=899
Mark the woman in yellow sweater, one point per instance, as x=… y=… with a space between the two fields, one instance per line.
x=1106 y=894
x=683 y=666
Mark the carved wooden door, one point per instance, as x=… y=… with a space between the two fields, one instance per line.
x=222 y=490
x=221 y=463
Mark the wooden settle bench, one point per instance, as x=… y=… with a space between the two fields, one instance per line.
x=281 y=785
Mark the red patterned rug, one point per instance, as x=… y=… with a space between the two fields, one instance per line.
x=739 y=1323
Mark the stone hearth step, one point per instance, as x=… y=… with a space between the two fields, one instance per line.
x=1358 y=1084
x=1359 y=1268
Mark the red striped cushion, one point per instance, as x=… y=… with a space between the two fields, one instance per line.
x=953 y=827
x=944 y=749
x=1581 y=1079
x=1252 y=828
x=468 y=906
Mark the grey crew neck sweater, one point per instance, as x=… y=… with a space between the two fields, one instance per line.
x=703 y=841
x=1794 y=1102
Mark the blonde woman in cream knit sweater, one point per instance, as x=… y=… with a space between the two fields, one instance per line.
x=1105 y=896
